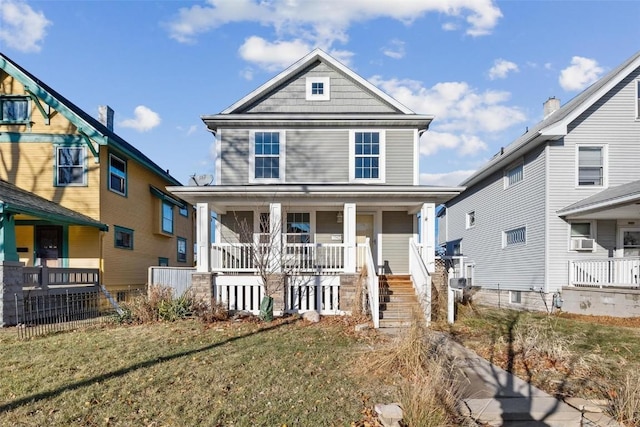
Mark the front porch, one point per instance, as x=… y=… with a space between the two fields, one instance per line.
x=605 y=273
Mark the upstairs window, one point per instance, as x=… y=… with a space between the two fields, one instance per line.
x=167 y=217
x=367 y=159
x=638 y=99
x=183 y=211
x=591 y=166
x=318 y=88
x=117 y=175
x=70 y=166
x=14 y=109
x=471 y=219
x=515 y=236
x=513 y=175
x=267 y=156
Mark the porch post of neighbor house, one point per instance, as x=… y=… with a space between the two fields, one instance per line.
x=203 y=238
x=427 y=235
x=275 y=232
x=9 y=251
x=349 y=237
x=10 y=271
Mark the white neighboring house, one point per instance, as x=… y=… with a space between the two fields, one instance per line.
x=558 y=210
x=320 y=162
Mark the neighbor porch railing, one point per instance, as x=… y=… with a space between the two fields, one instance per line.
x=606 y=272
x=57 y=276
x=178 y=278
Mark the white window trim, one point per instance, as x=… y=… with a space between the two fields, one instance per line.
x=512 y=294
x=381 y=158
x=326 y=91
x=605 y=168
x=636 y=98
x=508 y=169
x=515 y=245
x=594 y=232
x=252 y=157
x=84 y=166
x=468 y=218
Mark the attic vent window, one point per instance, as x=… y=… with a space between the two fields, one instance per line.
x=14 y=109
x=318 y=88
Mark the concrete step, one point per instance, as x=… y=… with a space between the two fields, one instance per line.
x=393 y=323
x=521 y=411
x=398 y=298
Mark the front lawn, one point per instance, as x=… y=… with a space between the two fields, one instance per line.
x=184 y=373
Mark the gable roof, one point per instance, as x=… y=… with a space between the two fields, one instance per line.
x=555 y=125
x=301 y=64
x=85 y=123
x=18 y=201
x=608 y=198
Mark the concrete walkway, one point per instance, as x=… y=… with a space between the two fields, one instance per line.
x=493 y=397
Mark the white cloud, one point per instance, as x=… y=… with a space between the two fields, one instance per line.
x=22 y=28
x=273 y=56
x=449 y=26
x=247 y=73
x=145 y=119
x=394 y=49
x=502 y=67
x=323 y=23
x=580 y=74
x=448 y=179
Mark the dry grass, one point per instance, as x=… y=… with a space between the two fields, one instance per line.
x=625 y=399
x=427 y=389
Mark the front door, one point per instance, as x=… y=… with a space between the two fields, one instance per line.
x=49 y=245
x=627 y=270
x=364 y=230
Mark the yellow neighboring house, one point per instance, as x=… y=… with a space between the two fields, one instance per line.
x=51 y=148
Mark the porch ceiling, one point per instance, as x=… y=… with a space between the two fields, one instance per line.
x=222 y=198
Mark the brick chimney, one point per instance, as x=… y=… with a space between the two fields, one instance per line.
x=550 y=105
x=105 y=116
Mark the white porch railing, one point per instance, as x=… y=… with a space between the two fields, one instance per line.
x=365 y=260
x=420 y=278
x=319 y=258
x=178 y=278
x=599 y=273
x=307 y=293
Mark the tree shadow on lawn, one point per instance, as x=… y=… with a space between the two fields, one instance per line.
x=141 y=365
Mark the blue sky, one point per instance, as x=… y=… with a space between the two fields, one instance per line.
x=482 y=67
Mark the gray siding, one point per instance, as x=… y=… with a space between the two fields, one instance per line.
x=609 y=121
x=327 y=226
x=397 y=229
x=497 y=209
x=399 y=157
x=346 y=96
x=317 y=156
x=236 y=226
x=234 y=156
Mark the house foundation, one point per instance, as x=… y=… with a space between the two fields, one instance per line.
x=514 y=300
x=601 y=302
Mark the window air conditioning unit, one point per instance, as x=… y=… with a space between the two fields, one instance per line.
x=458 y=282
x=582 y=244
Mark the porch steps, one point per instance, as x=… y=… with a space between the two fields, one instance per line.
x=397 y=301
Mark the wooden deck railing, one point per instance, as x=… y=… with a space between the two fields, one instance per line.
x=47 y=277
x=605 y=272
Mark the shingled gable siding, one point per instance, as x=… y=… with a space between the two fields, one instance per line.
x=609 y=121
x=496 y=210
x=399 y=157
x=320 y=156
x=234 y=156
x=346 y=96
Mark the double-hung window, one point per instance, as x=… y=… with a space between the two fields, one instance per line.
x=591 y=166
x=14 y=109
x=367 y=156
x=70 y=166
x=267 y=149
x=298 y=227
x=471 y=219
x=117 y=175
x=581 y=236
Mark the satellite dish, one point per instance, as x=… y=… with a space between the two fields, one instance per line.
x=201 y=180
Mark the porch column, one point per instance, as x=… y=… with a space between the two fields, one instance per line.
x=427 y=235
x=275 y=235
x=203 y=237
x=349 y=238
x=9 y=251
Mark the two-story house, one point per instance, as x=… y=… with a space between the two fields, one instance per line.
x=558 y=210
x=91 y=199
x=324 y=164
